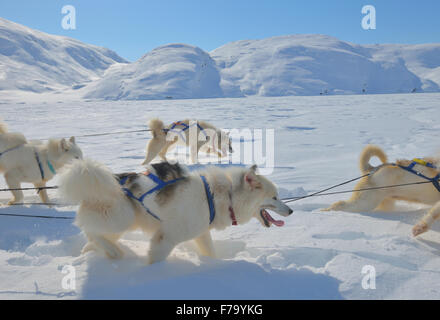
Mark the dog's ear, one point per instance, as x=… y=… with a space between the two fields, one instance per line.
x=251 y=178
x=63 y=145
x=72 y=139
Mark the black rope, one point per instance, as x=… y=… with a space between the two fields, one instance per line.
x=324 y=190
x=35 y=216
x=40 y=204
x=355 y=190
x=33 y=188
x=106 y=133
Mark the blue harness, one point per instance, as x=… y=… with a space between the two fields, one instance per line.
x=185 y=127
x=160 y=184
x=10 y=149
x=40 y=166
x=210 y=197
x=410 y=168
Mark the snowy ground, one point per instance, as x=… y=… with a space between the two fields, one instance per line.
x=315 y=255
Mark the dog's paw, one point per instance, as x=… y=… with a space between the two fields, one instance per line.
x=420 y=228
x=11 y=202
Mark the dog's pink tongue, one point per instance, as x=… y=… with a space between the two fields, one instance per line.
x=278 y=223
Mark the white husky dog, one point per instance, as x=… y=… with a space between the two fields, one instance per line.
x=34 y=162
x=168 y=202
x=419 y=177
x=206 y=138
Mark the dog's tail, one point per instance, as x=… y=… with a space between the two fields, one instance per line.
x=156 y=144
x=157 y=128
x=87 y=181
x=369 y=152
x=3 y=127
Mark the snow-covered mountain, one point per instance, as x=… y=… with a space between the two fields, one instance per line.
x=279 y=66
x=175 y=71
x=35 y=61
x=315 y=64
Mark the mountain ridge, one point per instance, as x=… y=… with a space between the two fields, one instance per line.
x=300 y=64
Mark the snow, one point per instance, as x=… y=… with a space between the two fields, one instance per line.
x=318 y=255
x=301 y=64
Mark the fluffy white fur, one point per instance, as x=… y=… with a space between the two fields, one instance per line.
x=105 y=213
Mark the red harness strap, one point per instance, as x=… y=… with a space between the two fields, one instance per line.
x=231 y=210
x=232 y=214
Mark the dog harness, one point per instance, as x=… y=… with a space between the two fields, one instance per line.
x=410 y=168
x=40 y=165
x=10 y=149
x=160 y=184
x=210 y=198
x=185 y=127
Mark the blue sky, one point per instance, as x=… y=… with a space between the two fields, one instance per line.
x=134 y=27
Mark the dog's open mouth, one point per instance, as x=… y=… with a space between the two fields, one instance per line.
x=269 y=220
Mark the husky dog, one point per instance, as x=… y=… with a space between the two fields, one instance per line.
x=387 y=174
x=34 y=162
x=168 y=202
x=209 y=139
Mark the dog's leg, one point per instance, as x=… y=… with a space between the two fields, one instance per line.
x=164 y=150
x=42 y=192
x=110 y=248
x=89 y=246
x=14 y=183
x=160 y=247
x=386 y=205
x=205 y=245
x=359 y=202
x=427 y=221
x=154 y=147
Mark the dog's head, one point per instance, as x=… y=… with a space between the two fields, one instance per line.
x=267 y=194
x=68 y=150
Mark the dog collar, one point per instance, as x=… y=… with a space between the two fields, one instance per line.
x=232 y=214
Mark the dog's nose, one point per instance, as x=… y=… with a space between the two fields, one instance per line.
x=290 y=211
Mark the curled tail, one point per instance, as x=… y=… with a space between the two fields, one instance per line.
x=369 y=152
x=157 y=128
x=91 y=182
x=156 y=144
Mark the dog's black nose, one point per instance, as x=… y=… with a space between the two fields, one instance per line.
x=290 y=211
